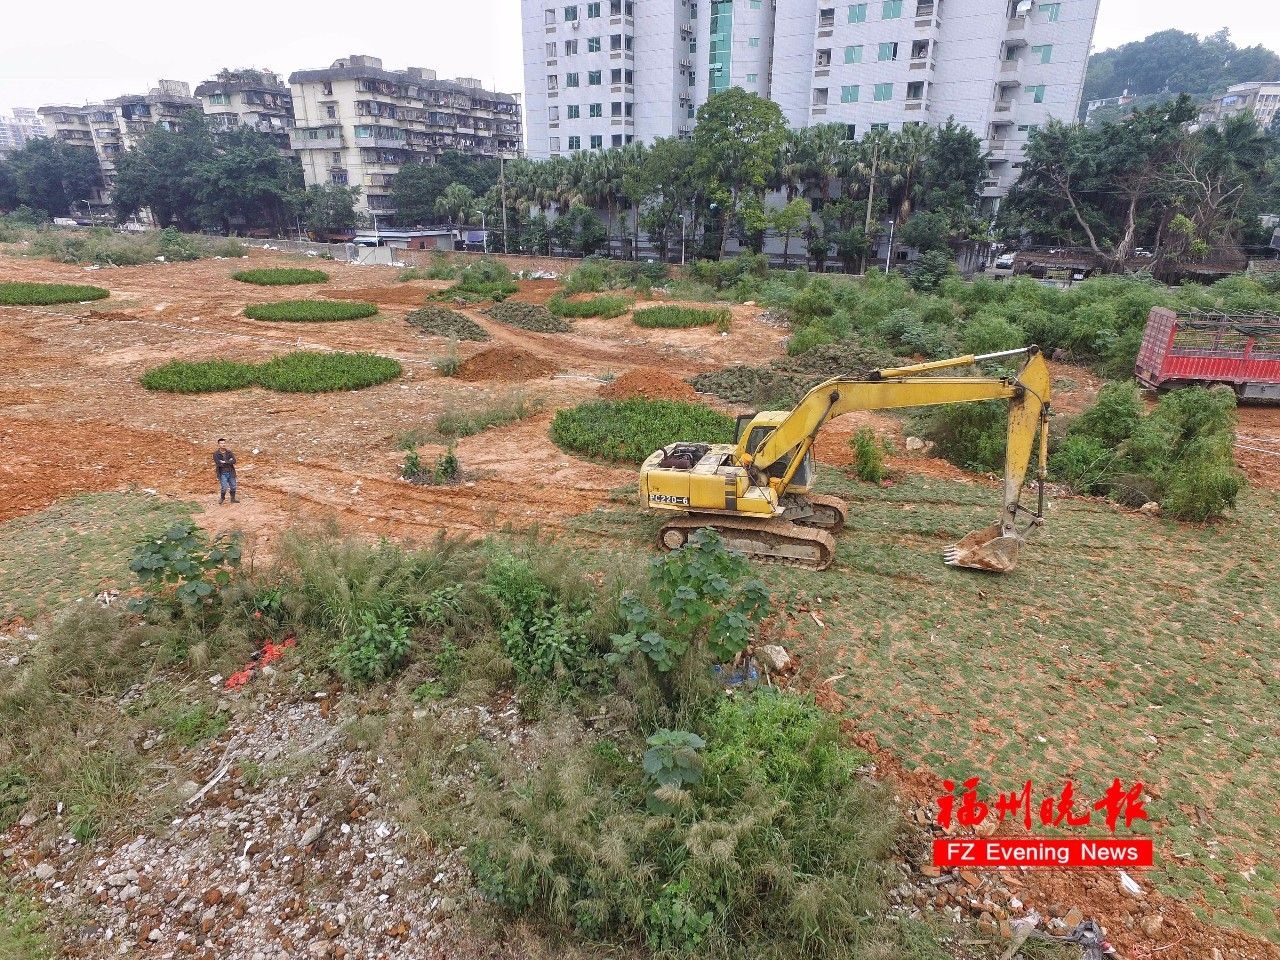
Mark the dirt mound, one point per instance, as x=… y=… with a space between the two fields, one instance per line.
x=648 y=383
x=504 y=364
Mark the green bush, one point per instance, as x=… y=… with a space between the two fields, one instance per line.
x=606 y=307
x=868 y=456
x=310 y=310
x=482 y=280
x=527 y=316
x=441 y=268
x=280 y=276
x=315 y=372
x=680 y=317
x=373 y=648
x=443 y=322
x=44 y=294
x=101 y=245
x=468 y=421
x=971 y=435
x=449 y=363
x=992 y=334
x=629 y=430
x=206 y=376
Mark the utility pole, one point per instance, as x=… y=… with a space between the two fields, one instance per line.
x=871 y=196
x=888 y=253
x=502 y=183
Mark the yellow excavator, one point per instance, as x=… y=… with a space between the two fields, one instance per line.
x=757 y=491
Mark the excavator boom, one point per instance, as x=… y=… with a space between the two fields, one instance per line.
x=761 y=483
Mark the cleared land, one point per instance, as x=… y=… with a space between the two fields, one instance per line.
x=1124 y=646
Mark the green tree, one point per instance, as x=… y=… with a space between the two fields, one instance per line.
x=247 y=180
x=787 y=220
x=8 y=188
x=327 y=208
x=50 y=176
x=928 y=232
x=164 y=173
x=456 y=203
x=736 y=145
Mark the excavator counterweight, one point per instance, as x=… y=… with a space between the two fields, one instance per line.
x=757 y=491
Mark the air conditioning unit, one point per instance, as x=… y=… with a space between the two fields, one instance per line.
x=686 y=62
x=577 y=24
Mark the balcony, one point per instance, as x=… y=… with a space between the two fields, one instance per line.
x=1017 y=26
x=927 y=16
x=389 y=143
x=1004 y=106
x=1009 y=69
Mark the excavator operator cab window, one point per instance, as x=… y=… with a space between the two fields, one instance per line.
x=803 y=476
x=743 y=421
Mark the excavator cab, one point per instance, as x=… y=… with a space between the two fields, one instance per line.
x=752 y=429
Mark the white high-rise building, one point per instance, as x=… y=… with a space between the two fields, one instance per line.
x=601 y=74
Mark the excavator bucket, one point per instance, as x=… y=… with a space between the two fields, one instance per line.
x=985 y=549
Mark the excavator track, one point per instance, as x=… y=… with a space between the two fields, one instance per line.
x=824 y=512
x=764 y=539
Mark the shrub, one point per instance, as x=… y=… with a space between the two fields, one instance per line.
x=606 y=307
x=727 y=273
x=629 y=430
x=970 y=435
x=930 y=270
x=280 y=276
x=206 y=376
x=449 y=363
x=101 y=245
x=443 y=322
x=527 y=316
x=466 y=422
x=482 y=280
x=44 y=294
x=991 y=334
x=446 y=469
x=313 y=372
x=680 y=317
x=310 y=310
x=374 y=648
x=868 y=456
x=185 y=560
x=441 y=268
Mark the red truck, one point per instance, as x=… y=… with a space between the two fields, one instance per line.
x=1241 y=350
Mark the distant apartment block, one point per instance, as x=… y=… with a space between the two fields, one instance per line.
x=1093 y=106
x=356 y=124
x=114 y=126
x=1260 y=99
x=18 y=130
x=600 y=74
x=258 y=99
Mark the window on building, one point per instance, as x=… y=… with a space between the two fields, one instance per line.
x=853 y=54
x=335 y=157
x=554 y=144
x=331 y=111
x=597 y=141
x=615 y=108
x=571 y=13
x=693 y=11
x=1042 y=53
x=593 y=45
x=338 y=177
x=823 y=59
x=888 y=51
x=573 y=111
x=850 y=131
x=1037 y=93
x=550 y=17
x=551 y=50
x=615 y=8
x=629 y=76
x=313 y=134
x=593 y=78
x=857 y=13
x=326 y=88
x=849 y=93
x=553 y=83
x=615 y=41
x=884 y=91
x=753 y=78
x=575 y=143
x=920 y=50
x=827 y=17
x=627 y=42
x=570 y=79
x=595 y=110
x=616 y=140
x=891 y=10
x=693 y=45
x=820 y=96
x=626 y=109
x=570 y=47
x=1051 y=11
x=915 y=90
x=755 y=4
x=879 y=128
x=753 y=42
x=615 y=76
x=553 y=113
x=593 y=10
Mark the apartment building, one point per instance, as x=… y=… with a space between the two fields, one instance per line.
x=356 y=123
x=1000 y=67
x=19 y=129
x=1260 y=99
x=258 y=99
x=111 y=127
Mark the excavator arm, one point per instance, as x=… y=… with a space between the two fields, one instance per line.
x=993 y=548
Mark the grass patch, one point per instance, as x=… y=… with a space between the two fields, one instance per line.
x=484 y=280
x=69 y=550
x=303 y=371
x=628 y=431
x=468 y=421
x=204 y=376
x=315 y=372
x=280 y=276
x=310 y=310
x=606 y=307
x=22 y=927
x=676 y=318
x=443 y=322
x=449 y=362
x=44 y=294
x=105 y=246
x=528 y=316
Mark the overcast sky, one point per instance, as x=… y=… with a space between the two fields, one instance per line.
x=75 y=51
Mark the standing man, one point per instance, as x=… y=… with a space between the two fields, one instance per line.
x=224 y=462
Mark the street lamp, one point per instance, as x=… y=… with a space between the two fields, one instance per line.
x=484 y=233
x=377 y=239
x=888 y=253
x=88 y=211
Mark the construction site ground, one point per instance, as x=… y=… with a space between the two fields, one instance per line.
x=1124 y=646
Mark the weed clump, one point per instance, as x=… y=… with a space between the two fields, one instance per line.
x=868 y=456
x=483 y=280
x=628 y=431
x=446 y=469
x=443 y=322
x=675 y=318
x=527 y=316
x=310 y=310
x=606 y=307
x=468 y=421
x=280 y=276
x=44 y=294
